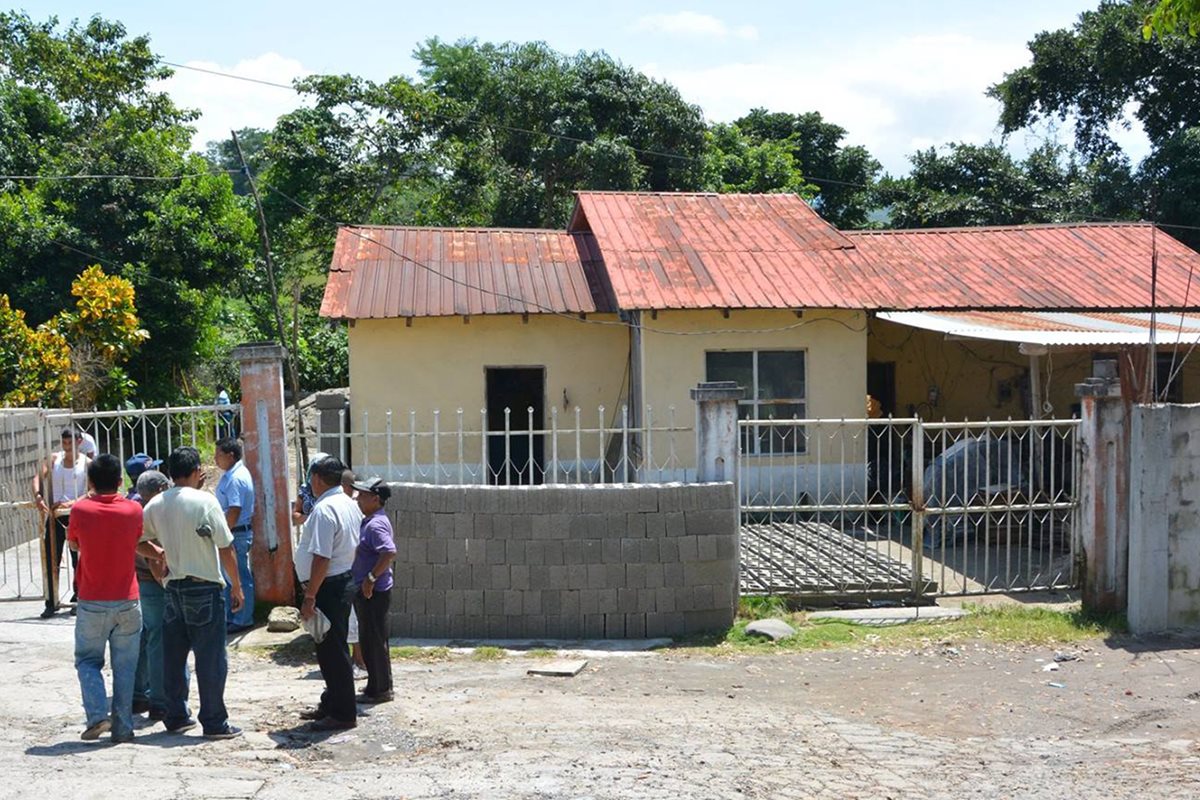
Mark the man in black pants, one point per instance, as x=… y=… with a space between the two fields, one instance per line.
x=372 y=574
x=59 y=482
x=323 y=559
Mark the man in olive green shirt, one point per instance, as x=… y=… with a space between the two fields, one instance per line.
x=196 y=540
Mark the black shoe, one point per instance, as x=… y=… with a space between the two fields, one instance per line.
x=228 y=732
x=313 y=714
x=49 y=612
x=332 y=724
x=74 y=610
x=124 y=738
x=157 y=715
x=372 y=699
x=141 y=706
x=186 y=725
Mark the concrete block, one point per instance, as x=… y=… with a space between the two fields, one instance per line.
x=697 y=523
x=493 y=601
x=560 y=526
x=656 y=525
x=402 y=576
x=496 y=551
x=456 y=551
x=654 y=576
x=595 y=526
x=502 y=526
x=707 y=621
x=706 y=547
x=473 y=602
x=649 y=551
x=689 y=496
x=553 y=552
x=477 y=551
x=668 y=550
x=596 y=576
x=688 y=549
x=456 y=604
x=592 y=551
x=727 y=547
x=497 y=626
x=646 y=600
x=522 y=527
x=514 y=550
x=401 y=543
x=719 y=497
x=664 y=600
x=635 y=626
x=542 y=527
x=571 y=603
x=474 y=626
x=611 y=551
x=631 y=550
x=614 y=523
x=436 y=551
x=626 y=600
x=608 y=600
x=685 y=599
x=699 y=573
x=443 y=577
x=551 y=602
x=458 y=626
x=669 y=498
x=675 y=523
x=539 y=578
x=414 y=601
x=556 y=627
x=535 y=552
x=460 y=577
x=635 y=525
x=561 y=500
x=481 y=576
x=614 y=626
x=484 y=526
x=673 y=575
x=519 y=577
x=577 y=576
x=647 y=499
x=656 y=626
x=558 y=576
x=422 y=576
x=573 y=551
x=533 y=627
x=576 y=525
x=435 y=604
x=500 y=577
x=400 y=622
x=589 y=601
x=703 y=598
x=418 y=551
x=594 y=499
x=635 y=576
x=614 y=576
x=464 y=525
x=513 y=602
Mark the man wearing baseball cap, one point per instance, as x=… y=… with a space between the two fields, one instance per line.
x=372 y=574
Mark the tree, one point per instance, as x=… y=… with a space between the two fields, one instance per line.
x=741 y=164
x=35 y=365
x=1173 y=16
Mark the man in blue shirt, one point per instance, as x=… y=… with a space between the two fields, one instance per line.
x=235 y=493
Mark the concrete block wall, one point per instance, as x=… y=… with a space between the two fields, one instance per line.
x=564 y=562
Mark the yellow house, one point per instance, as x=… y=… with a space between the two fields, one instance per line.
x=529 y=355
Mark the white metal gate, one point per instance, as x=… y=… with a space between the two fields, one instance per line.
x=904 y=507
x=29 y=435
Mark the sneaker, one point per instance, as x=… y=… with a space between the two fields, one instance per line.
x=228 y=732
x=48 y=612
x=93 y=732
x=332 y=724
x=186 y=725
x=313 y=714
x=360 y=674
x=124 y=738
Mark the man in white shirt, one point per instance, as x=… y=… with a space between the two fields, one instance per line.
x=59 y=482
x=323 y=558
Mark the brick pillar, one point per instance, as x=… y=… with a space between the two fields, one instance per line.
x=1104 y=493
x=265 y=448
x=717 y=430
x=333 y=416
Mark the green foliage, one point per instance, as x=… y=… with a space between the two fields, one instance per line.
x=1173 y=16
x=35 y=365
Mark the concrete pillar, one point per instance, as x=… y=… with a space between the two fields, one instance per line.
x=333 y=417
x=1104 y=493
x=265 y=453
x=1152 y=450
x=717 y=430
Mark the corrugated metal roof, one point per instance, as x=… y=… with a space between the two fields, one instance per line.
x=380 y=272
x=1054 y=329
x=1069 y=266
x=681 y=250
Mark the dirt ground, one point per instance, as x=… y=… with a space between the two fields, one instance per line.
x=947 y=719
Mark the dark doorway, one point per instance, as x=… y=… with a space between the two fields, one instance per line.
x=520 y=460
x=881 y=384
x=887 y=454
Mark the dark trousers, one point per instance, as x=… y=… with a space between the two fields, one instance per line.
x=54 y=541
x=194 y=620
x=373 y=637
x=333 y=654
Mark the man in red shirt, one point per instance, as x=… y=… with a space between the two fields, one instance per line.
x=105 y=528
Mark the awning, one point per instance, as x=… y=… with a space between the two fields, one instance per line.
x=1054 y=329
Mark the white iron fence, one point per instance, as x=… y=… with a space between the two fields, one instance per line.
x=901 y=507
x=29 y=436
x=513 y=446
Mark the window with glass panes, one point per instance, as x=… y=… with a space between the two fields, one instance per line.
x=775 y=389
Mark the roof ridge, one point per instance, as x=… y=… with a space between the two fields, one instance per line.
x=992 y=228
x=478 y=229
x=619 y=193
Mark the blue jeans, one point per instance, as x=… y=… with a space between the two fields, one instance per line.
x=244 y=618
x=148 y=686
x=117 y=624
x=194 y=620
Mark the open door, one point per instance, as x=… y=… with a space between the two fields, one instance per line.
x=519 y=457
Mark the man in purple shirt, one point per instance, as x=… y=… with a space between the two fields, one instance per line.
x=372 y=574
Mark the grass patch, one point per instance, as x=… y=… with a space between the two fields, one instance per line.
x=541 y=653
x=999 y=624
x=487 y=654
x=410 y=653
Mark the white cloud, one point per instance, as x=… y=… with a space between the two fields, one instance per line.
x=226 y=103
x=689 y=23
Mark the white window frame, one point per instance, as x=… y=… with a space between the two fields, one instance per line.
x=754 y=445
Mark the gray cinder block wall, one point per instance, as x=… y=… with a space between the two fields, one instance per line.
x=564 y=562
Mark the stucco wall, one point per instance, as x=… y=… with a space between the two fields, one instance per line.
x=1164 y=526
x=564 y=562
x=981 y=379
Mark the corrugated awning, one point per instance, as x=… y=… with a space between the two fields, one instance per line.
x=1054 y=329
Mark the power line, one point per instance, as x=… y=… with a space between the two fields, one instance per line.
x=115 y=176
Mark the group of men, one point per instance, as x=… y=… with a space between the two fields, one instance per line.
x=164 y=571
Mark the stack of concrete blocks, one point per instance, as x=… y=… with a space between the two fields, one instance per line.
x=564 y=562
x=22 y=451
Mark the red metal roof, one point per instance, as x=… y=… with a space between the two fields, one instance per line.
x=678 y=250
x=1086 y=266
x=380 y=272
x=1055 y=328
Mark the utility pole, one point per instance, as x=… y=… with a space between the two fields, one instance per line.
x=265 y=238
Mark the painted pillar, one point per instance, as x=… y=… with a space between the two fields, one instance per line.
x=1104 y=493
x=1150 y=480
x=265 y=453
x=717 y=430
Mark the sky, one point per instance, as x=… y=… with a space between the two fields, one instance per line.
x=898 y=76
